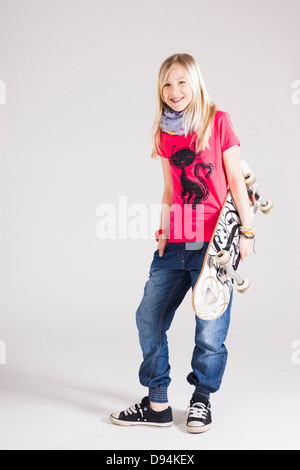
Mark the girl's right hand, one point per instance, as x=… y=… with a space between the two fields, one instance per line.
x=245 y=247
x=162 y=242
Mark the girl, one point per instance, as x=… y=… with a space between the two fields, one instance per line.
x=200 y=158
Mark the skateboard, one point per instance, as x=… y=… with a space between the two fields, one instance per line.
x=218 y=276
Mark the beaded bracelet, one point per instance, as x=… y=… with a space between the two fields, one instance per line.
x=247 y=230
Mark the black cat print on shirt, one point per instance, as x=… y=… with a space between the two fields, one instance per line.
x=192 y=192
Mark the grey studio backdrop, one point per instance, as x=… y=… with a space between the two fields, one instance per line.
x=78 y=90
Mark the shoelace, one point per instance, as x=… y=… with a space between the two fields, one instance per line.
x=198 y=410
x=134 y=409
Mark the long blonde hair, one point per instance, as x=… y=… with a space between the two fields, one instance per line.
x=198 y=114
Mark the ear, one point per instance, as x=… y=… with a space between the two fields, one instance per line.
x=174 y=147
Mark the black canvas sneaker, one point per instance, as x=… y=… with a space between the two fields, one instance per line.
x=141 y=414
x=199 y=415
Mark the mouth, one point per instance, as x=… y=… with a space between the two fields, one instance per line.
x=176 y=100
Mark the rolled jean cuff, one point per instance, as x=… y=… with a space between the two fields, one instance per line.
x=203 y=394
x=158 y=394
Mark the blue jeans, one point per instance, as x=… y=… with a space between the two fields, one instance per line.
x=170 y=277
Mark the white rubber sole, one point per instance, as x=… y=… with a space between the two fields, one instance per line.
x=120 y=422
x=198 y=429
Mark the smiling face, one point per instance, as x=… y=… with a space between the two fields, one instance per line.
x=177 y=92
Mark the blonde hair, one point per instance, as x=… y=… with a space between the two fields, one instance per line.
x=198 y=114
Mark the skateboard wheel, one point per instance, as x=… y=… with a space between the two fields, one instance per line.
x=244 y=287
x=222 y=258
x=249 y=179
x=267 y=208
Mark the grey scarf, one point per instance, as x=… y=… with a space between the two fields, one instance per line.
x=171 y=121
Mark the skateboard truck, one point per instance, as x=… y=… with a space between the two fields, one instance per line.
x=223 y=259
x=256 y=199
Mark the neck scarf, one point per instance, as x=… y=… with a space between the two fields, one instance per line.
x=172 y=122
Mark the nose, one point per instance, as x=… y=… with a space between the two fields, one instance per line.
x=174 y=89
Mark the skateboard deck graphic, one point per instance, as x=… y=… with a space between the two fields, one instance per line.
x=211 y=294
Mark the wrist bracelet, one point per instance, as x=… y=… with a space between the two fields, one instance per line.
x=243 y=235
x=246 y=232
x=250 y=229
x=161 y=232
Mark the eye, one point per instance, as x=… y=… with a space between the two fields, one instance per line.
x=166 y=84
x=181 y=81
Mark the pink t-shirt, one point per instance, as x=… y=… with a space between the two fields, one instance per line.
x=199 y=180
